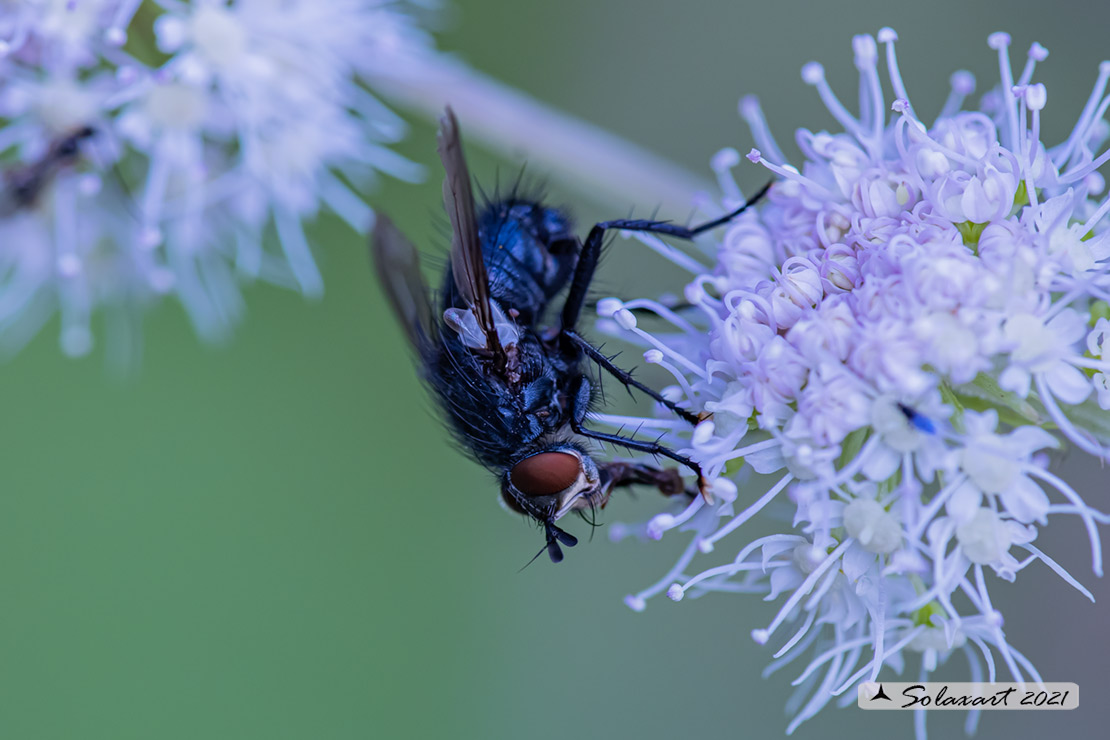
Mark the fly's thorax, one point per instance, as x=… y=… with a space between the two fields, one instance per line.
x=553 y=482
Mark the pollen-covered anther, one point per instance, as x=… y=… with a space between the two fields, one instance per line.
x=1036 y=96
x=998 y=40
x=703 y=432
x=607 y=307
x=1095 y=183
x=659 y=524
x=635 y=603
x=1037 y=52
x=625 y=319
x=617 y=530
x=749 y=106
x=866 y=52
x=675 y=592
x=962 y=82
x=672 y=393
x=724 y=489
x=813 y=73
x=725 y=159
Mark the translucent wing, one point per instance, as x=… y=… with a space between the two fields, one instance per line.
x=398 y=268
x=467 y=264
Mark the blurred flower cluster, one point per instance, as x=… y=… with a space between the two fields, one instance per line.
x=909 y=323
x=218 y=131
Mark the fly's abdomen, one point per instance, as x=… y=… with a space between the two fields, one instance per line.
x=529 y=253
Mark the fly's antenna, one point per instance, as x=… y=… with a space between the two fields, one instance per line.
x=533 y=559
x=554 y=537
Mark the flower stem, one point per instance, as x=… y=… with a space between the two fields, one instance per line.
x=518 y=125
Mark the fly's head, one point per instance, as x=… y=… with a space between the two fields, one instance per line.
x=551 y=483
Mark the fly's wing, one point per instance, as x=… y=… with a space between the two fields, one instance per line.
x=467 y=265
x=398 y=269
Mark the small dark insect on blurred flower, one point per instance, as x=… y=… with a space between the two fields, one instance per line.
x=191 y=106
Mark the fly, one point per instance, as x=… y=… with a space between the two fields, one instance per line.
x=513 y=388
x=23 y=185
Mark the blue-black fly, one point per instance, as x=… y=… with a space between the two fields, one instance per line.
x=514 y=390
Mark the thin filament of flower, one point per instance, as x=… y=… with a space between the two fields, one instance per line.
x=749 y=512
x=807 y=585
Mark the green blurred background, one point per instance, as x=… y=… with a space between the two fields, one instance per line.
x=273 y=538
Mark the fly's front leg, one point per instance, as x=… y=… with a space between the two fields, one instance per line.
x=578 y=414
x=591 y=250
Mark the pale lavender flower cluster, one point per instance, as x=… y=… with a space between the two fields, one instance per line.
x=227 y=125
x=891 y=335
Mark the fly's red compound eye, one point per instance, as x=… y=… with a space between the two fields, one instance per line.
x=545 y=473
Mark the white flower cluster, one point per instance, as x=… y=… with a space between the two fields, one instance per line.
x=892 y=334
x=215 y=125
